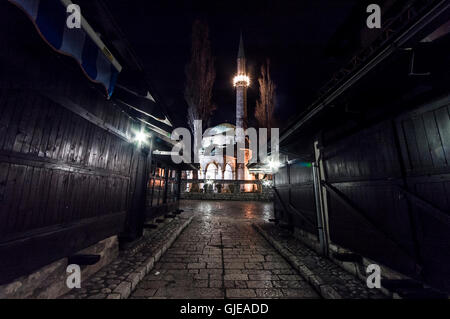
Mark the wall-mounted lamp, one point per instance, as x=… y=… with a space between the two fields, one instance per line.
x=266 y=183
x=140 y=137
x=274 y=165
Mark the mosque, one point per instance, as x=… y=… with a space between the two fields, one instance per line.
x=217 y=165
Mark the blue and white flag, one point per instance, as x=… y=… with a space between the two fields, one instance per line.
x=83 y=44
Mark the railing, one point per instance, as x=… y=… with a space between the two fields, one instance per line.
x=225 y=186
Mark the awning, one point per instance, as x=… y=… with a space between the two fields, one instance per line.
x=83 y=44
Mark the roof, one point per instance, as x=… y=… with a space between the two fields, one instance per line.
x=220 y=129
x=241 y=53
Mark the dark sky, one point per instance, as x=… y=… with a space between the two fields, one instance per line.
x=293 y=34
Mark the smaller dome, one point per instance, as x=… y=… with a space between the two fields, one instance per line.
x=220 y=129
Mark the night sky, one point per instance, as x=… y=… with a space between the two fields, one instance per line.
x=295 y=35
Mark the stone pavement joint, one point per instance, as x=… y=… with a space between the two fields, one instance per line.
x=329 y=280
x=121 y=277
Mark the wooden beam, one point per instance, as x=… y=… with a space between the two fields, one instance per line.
x=12 y=157
x=75 y=108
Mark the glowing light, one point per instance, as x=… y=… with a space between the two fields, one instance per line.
x=267 y=183
x=141 y=137
x=305 y=164
x=241 y=80
x=274 y=165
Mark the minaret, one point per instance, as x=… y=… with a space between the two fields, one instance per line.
x=241 y=82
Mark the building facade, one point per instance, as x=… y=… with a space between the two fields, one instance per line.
x=216 y=163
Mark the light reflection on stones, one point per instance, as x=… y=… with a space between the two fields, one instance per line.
x=235 y=210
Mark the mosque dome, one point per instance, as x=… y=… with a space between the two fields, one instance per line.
x=220 y=129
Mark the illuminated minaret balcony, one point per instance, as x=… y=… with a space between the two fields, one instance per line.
x=241 y=80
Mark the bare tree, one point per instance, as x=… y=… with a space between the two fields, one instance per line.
x=265 y=105
x=200 y=77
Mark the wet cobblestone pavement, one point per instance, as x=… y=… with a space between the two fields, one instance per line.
x=344 y=283
x=220 y=255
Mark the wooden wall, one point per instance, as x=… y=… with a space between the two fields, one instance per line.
x=64 y=182
x=394 y=178
x=70 y=175
x=424 y=136
x=294 y=194
x=163 y=189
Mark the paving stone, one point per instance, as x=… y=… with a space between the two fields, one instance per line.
x=269 y=293
x=275 y=265
x=236 y=277
x=200 y=283
x=253 y=265
x=153 y=284
x=263 y=277
x=124 y=289
x=259 y=284
x=215 y=276
x=144 y=292
x=241 y=293
x=172 y=266
x=240 y=284
x=299 y=293
x=190 y=293
x=196 y=265
x=234 y=265
x=215 y=284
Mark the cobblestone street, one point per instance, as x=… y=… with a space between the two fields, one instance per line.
x=220 y=255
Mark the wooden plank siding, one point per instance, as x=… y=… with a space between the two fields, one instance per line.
x=163 y=189
x=295 y=187
x=391 y=173
x=70 y=175
x=426 y=157
x=54 y=179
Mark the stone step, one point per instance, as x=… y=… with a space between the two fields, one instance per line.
x=83 y=259
x=150 y=226
x=120 y=277
x=348 y=257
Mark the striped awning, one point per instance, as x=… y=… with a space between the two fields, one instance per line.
x=82 y=44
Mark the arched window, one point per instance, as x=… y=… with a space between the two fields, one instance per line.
x=228 y=174
x=211 y=171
